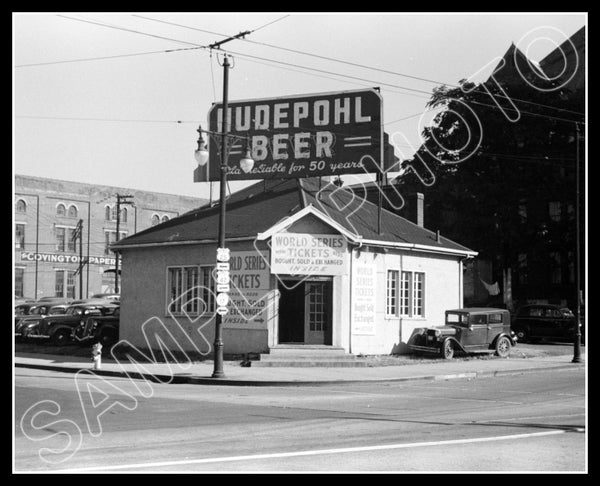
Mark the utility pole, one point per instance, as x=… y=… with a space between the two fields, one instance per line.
x=577 y=339
x=78 y=234
x=122 y=199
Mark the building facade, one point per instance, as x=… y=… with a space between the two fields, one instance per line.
x=302 y=272
x=49 y=245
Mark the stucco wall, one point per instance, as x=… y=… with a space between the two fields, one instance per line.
x=144 y=304
x=442 y=292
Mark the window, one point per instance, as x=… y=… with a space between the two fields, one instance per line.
x=19 y=278
x=64 y=239
x=20 y=236
x=418 y=291
x=316 y=306
x=391 y=307
x=190 y=290
x=495 y=318
x=72 y=211
x=478 y=319
x=554 y=210
x=61 y=210
x=164 y=219
x=59 y=283
x=60 y=238
x=124 y=215
x=556 y=270
x=21 y=206
x=405 y=285
x=155 y=219
x=64 y=285
x=405 y=294
x=113 y=213
x=107 y=213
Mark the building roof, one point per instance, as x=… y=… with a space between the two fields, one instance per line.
x=257 y=208
x=559 y=63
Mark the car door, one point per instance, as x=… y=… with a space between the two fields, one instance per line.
x=477 y=332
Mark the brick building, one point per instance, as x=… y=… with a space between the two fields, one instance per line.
x=46 y=216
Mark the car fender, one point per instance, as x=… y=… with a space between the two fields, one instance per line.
x=456 y=344
x=512 y=339
x=57 y=327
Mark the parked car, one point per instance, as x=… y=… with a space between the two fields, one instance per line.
x=468 y=330
x=535 y=322
x=102 y=329
x=107 y=296
x=58 y=328
x=40 y=307
x=26 y=325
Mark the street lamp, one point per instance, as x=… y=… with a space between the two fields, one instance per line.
x=246 y=164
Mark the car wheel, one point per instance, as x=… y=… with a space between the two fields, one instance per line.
x=108 y=338
x=503 y=347
x=522 y=335
x=447 y=349
x=61 y=337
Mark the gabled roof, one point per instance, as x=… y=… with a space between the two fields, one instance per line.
x=257 y=208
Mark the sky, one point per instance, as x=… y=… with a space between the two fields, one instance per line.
x=119 y=104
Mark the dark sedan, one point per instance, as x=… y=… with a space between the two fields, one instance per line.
x=535 y=322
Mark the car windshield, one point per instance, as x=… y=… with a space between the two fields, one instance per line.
x=38 y=310
x=457 y=318
x=56 y=310
x=74 y=311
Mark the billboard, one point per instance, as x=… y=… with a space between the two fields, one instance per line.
x=300 y=136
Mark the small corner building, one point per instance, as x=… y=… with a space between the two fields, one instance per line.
x=311 y=264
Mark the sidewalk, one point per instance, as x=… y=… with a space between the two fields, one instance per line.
x=236 y=375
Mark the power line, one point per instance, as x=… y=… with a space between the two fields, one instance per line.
x=303 y=67
x=270 y=23
x=296 y=51
x=104 y=119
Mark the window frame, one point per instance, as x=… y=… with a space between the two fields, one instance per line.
x=21 y=211
x=392 y=309
x=20 y=243
x=410 y=302
x=203 y=272
x=20 y=291
x=64 y=210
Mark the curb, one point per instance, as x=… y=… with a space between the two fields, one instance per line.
x=182 y=379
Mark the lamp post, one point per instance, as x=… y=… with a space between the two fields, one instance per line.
x=246 y=163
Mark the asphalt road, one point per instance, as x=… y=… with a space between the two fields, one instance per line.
x=531 y=422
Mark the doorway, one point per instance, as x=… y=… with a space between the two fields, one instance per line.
x=305 y=315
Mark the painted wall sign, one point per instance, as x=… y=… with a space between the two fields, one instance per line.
x=30 y=256
x=364 y=274
x=250 y=291
x=302 y=136
x=308 y=254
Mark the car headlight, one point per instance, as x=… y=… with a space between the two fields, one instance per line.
x=438 y=333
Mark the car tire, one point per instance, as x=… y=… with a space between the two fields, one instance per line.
x=522 y=335
x=447 y=349
x=61 y=337
x=503 y=346
x=108 y=338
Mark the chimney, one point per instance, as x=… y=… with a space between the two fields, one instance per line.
x=419 y=209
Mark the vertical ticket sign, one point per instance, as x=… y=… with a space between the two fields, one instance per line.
x=301 y=136
x=222 y=281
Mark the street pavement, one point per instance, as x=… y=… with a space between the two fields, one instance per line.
x=403 y=368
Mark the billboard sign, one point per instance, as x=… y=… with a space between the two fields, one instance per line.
x=301 y=136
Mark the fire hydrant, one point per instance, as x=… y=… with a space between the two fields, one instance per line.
x=97 y=356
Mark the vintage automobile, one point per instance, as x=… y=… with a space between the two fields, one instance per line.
x=26 y=325
x=108 y=296
x=58 y=328
x=102 y=329
x=38 y=308
x=535 y=322
x=468 y=330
